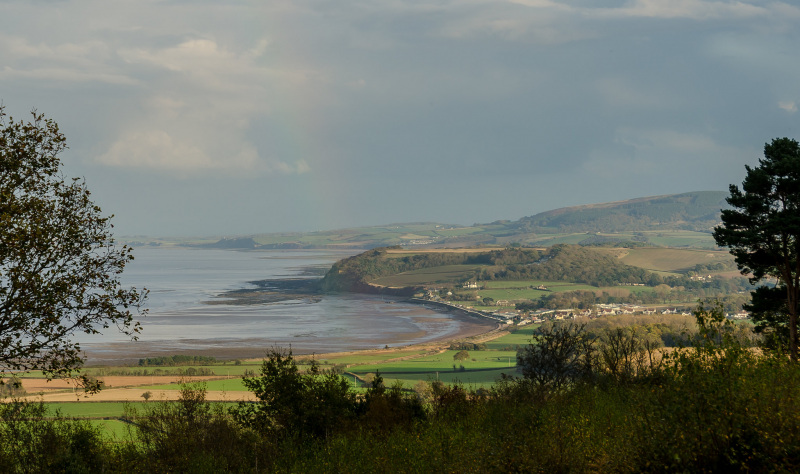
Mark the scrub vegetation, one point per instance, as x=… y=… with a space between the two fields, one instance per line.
x=586 y=399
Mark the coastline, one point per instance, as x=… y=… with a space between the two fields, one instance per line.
x=129 y=352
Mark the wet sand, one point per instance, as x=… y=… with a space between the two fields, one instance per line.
x=126 y=353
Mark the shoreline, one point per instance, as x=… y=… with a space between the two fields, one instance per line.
x=127 y=353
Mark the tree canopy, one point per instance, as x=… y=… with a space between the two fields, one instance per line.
x=762 y=230
x=59 y=265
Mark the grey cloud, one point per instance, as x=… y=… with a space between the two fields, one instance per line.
x=392 y=109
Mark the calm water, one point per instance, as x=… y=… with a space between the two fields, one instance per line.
x=182 y=280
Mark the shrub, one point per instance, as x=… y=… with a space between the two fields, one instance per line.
x=32 y=441
x=314 y=404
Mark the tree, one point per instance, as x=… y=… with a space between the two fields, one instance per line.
x=59 y=265
x=461 y=355
x=762 y=230
x=558 y=355
x=313 y=404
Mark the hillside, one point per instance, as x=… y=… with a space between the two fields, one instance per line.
x=397 y=271
x=696 y=211
x=561 y=276
x=678 y=220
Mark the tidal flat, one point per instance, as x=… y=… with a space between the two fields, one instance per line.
x=260 y=300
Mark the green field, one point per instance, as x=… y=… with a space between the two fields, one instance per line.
x=469 y=378
x=227 y=385
x=114 y=430
x=368 y=357
x=483 y=371
x=513 y=294
x=371 y=236
x=681 y=238
x=521 y=337
x=522 y=290
x=223 y=369
x=89 y=409
x=547 y=240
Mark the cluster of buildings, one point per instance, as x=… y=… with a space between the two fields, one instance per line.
x=601 y=310
x=520 y=318
x=700 y=277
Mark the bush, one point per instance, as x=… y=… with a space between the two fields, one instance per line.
x=558 y=355
x=314 y=404
x=32 y=441
x=189 y=435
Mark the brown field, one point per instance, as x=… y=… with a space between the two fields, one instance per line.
x=668 y=259
x=36 y=385
x=120 y=388
x=448 y=250
x=135 y=395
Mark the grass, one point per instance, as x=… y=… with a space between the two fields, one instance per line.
x=227 y=385
x=379 y=235
x=468 y=378
x=481 y=372
x=368 y=358
x=428 y=276
x=113 y=430
x=673 y=260
x=218 y=369
x=681 y=238
x=551 y=285
x=521 y=337
x=513 y=294
x=521 y=290
x=547 y=240
x=91 y=409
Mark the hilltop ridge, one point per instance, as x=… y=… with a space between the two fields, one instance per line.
x=695 y=211
x=680 y=220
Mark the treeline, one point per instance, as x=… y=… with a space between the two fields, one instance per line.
x=732 y=300
x=729 y=264
x=175 y=360
x=571 y=263
x=354 y=273
x=588 y=400
x=468 y=346
x=130 y=372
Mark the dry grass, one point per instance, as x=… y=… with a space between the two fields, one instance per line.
x=670 y=260
x=453 y=250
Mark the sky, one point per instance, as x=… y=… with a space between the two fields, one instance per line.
x=211 y=118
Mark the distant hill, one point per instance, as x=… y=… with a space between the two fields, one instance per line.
x=236 y=243
x=696 y=211
x=676 y=220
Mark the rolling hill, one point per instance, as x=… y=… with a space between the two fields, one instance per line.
x=696 y=211
x=677 y=220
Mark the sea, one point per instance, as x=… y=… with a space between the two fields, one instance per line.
x=187 y=310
